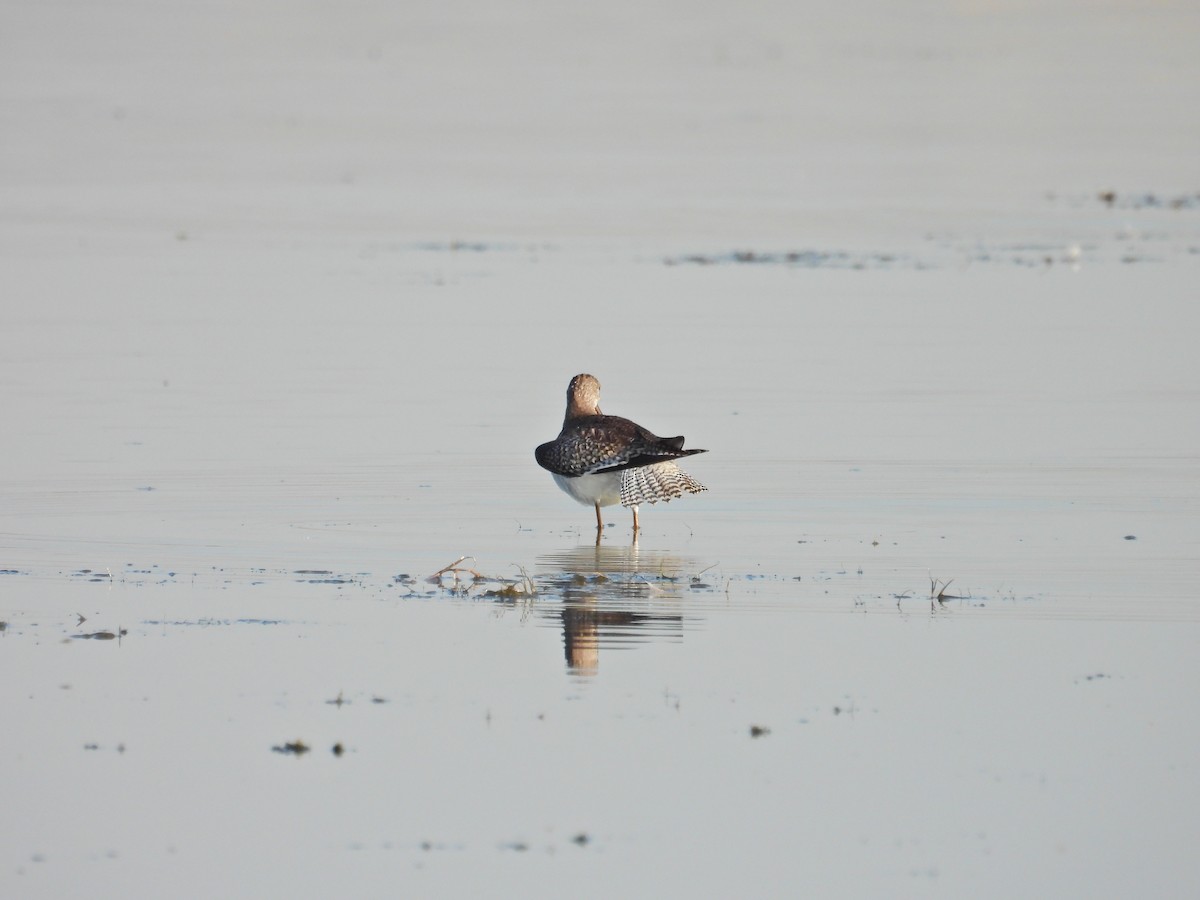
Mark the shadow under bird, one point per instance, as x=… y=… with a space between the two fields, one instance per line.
x=602 y=460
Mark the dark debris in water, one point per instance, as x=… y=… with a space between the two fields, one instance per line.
x=293 y=748
x=323 y=576
x=509 y=591
x=120 y=748
x=795 y=259
x=101 y=635
x=1148 y=200
x=1031 y=255
x=92 y=575
x=757 y=731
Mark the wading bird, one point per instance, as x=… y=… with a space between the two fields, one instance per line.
x=601 y=460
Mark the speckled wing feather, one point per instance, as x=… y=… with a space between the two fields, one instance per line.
x=595 y=444
x=660 y=481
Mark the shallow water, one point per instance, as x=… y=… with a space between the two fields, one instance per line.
x=761 y=688
x=274 y=356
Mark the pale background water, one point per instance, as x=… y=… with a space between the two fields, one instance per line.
x=289 y=293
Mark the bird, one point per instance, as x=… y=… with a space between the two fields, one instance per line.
x=603 y=460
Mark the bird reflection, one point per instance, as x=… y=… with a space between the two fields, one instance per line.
x=612 y=597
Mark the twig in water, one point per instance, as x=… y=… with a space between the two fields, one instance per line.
x=453 y=567
x=938 y=594
x=527 y=582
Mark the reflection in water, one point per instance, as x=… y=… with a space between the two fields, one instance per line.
x=612 y=597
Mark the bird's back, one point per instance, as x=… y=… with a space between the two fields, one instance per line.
x=593 y=444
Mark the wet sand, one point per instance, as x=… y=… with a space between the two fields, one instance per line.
x=290 y=296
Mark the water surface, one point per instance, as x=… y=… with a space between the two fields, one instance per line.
x=286 y=309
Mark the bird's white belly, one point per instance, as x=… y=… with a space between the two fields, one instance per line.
x=604 y=489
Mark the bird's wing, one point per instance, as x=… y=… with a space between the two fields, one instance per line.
x=598 y=444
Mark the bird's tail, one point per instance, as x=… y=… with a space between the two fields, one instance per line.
x=661 y=481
